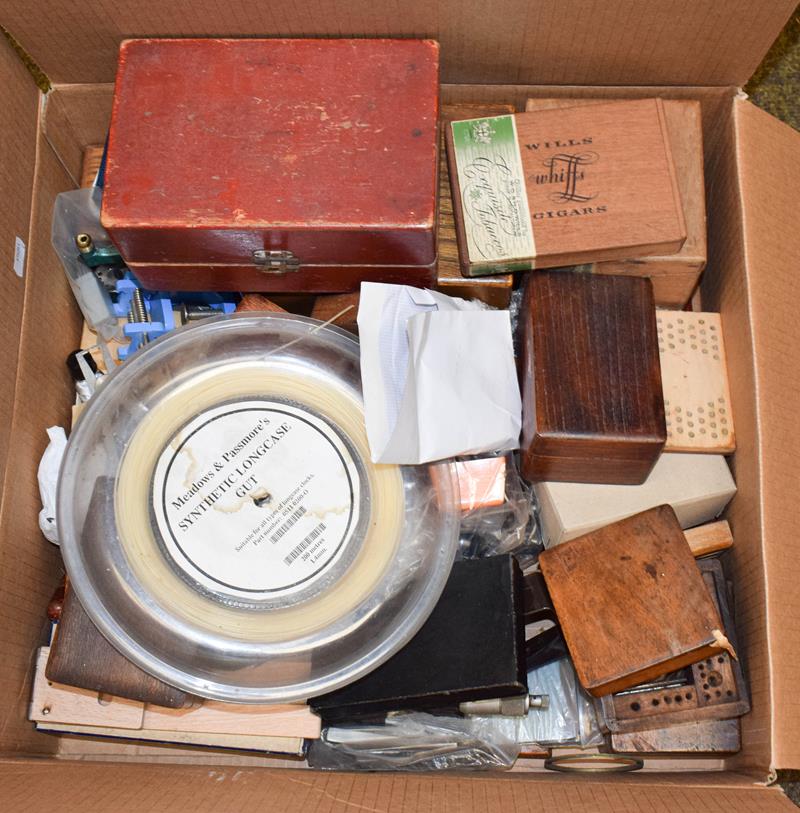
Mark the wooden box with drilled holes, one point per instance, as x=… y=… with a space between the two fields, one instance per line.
x=631 y=602
x=711 y=689
x=694 y=377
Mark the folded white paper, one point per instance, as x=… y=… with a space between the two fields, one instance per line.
x=438 y=375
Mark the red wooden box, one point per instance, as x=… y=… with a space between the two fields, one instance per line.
x=274 y=165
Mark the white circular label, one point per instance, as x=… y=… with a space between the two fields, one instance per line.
x=256 y=498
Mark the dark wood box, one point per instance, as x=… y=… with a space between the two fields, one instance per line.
x=274 y=165
x=593 y=410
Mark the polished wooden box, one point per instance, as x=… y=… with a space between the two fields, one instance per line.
x=593 y=410
x=564 y=187
x=631 y=602
x=674 y=275
x=274 y=165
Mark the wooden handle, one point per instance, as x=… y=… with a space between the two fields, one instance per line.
x=56 y=604
x=710 y=538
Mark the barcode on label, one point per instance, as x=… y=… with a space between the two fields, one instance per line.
x=304 y=544
x=288 y=524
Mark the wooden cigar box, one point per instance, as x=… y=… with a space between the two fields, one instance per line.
x=710 y=689
x=593 y=409
x=631 y=602
x=272 y=165
x=694 y=376
x=494 y=290
x=698 y=487
x=81 y=657
x=674 y=276
x=564 y=187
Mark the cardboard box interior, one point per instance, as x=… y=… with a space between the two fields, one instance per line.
x=701 y=51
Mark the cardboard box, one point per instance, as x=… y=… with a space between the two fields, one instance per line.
x=683 y=49
x=674 y=276
x=698 y=487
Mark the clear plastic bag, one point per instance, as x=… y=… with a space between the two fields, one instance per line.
x=415 y=741
x=569 y=718
x=497 y=515
x=74 y=213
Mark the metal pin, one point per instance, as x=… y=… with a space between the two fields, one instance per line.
x=506 y=706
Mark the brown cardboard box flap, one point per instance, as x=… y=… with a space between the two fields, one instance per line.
x=616 y=42
x=19 y=98
x=769 y=176
x=33 y=787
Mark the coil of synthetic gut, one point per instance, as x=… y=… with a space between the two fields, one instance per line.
x=224 y=525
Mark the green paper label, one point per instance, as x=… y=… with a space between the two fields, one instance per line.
x=494 y=202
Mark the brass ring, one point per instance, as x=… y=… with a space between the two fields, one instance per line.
x=619 y=764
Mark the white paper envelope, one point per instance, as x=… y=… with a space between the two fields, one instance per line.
x=438 y=376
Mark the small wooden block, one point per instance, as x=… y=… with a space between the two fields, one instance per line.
x=214 y=717
x=258 y=303
x=591 y=381
x=674 y=276
x=83 y=658
x=54 y=703
x=494 y=290
x=698 y=487
x=56 y=603
x=329 y=305
x=694 y=375
x=631 y=602
x=92 y=158
x=711 y=538
x=703 y=737
x=293 y=746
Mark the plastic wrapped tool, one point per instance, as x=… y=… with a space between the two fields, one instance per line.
x=78 y=213
x=496 y=506
x=568 y=719
x=414 y=741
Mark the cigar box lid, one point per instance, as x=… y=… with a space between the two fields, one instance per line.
x=326 y=149
x=558 y=187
